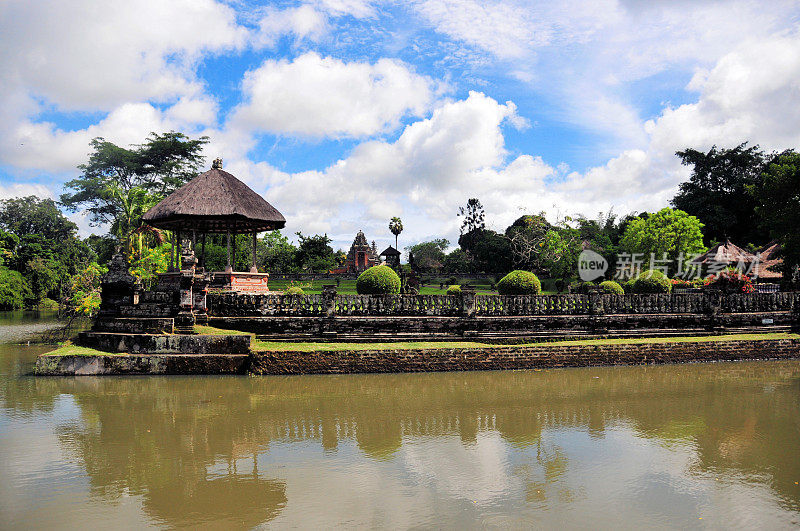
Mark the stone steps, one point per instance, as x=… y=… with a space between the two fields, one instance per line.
x=165 y=343
x=135 y=325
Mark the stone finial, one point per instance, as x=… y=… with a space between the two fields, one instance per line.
x=217 y=164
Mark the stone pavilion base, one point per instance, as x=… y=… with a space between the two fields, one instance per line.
x=239 y=282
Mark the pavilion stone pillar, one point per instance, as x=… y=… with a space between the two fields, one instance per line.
x=228 y=267
x=253 y=268
x=172 y=254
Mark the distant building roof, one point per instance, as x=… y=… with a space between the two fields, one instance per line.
x=215 y=201
x=769 y=264
x=725 y=253
x=390 y=251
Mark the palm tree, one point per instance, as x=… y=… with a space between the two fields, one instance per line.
x=396 y=226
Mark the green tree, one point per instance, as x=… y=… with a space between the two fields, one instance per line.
x=157 y=167
x=488 y=251
x=8 y=247
x=778 y=197
x=473 y=215
x=43 y=277
x=396 y=227
x=14 y=290
x=83 y=297
x=562 y=246
x=429 y=256
x=314 y=253
x=526 y=238
x=275 y=253
x=102 y=246
x=33 y=215
x=669 y=234
x=716 y=193
x=457 y=262
x=603 y=235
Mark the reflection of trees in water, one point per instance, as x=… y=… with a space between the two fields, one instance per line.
x=154 y=436
x=137 y=436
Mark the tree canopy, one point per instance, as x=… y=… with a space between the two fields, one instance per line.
x=429 y=256
x=149 y=171
x=668 y=234
x=716 y=192
x=778 y=197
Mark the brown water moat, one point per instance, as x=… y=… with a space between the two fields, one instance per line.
x=681 y=446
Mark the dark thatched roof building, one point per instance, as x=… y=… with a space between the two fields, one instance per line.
x=770 y=263
x=215 y=201
x=726 y=254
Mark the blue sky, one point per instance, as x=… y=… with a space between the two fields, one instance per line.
x=344 y=113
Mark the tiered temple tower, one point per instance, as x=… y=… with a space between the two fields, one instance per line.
x=361 y=255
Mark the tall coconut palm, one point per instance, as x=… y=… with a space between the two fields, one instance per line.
x=396 y=226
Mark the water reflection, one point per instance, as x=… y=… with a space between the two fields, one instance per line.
x=661 y=446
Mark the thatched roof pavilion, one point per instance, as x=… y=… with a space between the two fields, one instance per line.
x=728 y=254
x=770 y=263
x=215 y=201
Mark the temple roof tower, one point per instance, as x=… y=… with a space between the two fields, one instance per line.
x=362 y=255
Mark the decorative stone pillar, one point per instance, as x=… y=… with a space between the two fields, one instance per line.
x=200 y=297
x=185 y=320
x=713 y=306
x=329 y=299
x=468 y=301
x=596 y=303
x=118 y=287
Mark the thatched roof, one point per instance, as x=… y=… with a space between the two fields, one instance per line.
x=390 y=251
x=769 y=265
x=725 y=253
x=215 y=201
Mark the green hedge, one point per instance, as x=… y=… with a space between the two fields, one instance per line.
x=651 y=281
x=455 y=289
x=378 y=280
x=519 y=282
x=294 y=290
x=609 y=286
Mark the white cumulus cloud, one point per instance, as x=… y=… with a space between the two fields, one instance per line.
x=322 y=96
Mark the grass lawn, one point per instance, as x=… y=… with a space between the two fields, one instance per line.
x=75 y=350
x=277 y=346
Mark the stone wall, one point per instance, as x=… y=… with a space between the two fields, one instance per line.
x=469 y=304
x=552 y=326
x=509 y=357
x=141 y=364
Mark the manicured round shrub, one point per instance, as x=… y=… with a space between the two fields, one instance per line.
x=378 y=280
x=609 y=286
x=651 y=281
x=294 y=290
x=519 y=282
x=455 y=289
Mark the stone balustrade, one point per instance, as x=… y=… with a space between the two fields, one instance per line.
x=469 y=304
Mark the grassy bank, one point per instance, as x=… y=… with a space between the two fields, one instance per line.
x=282 y=346
x=277 y=346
